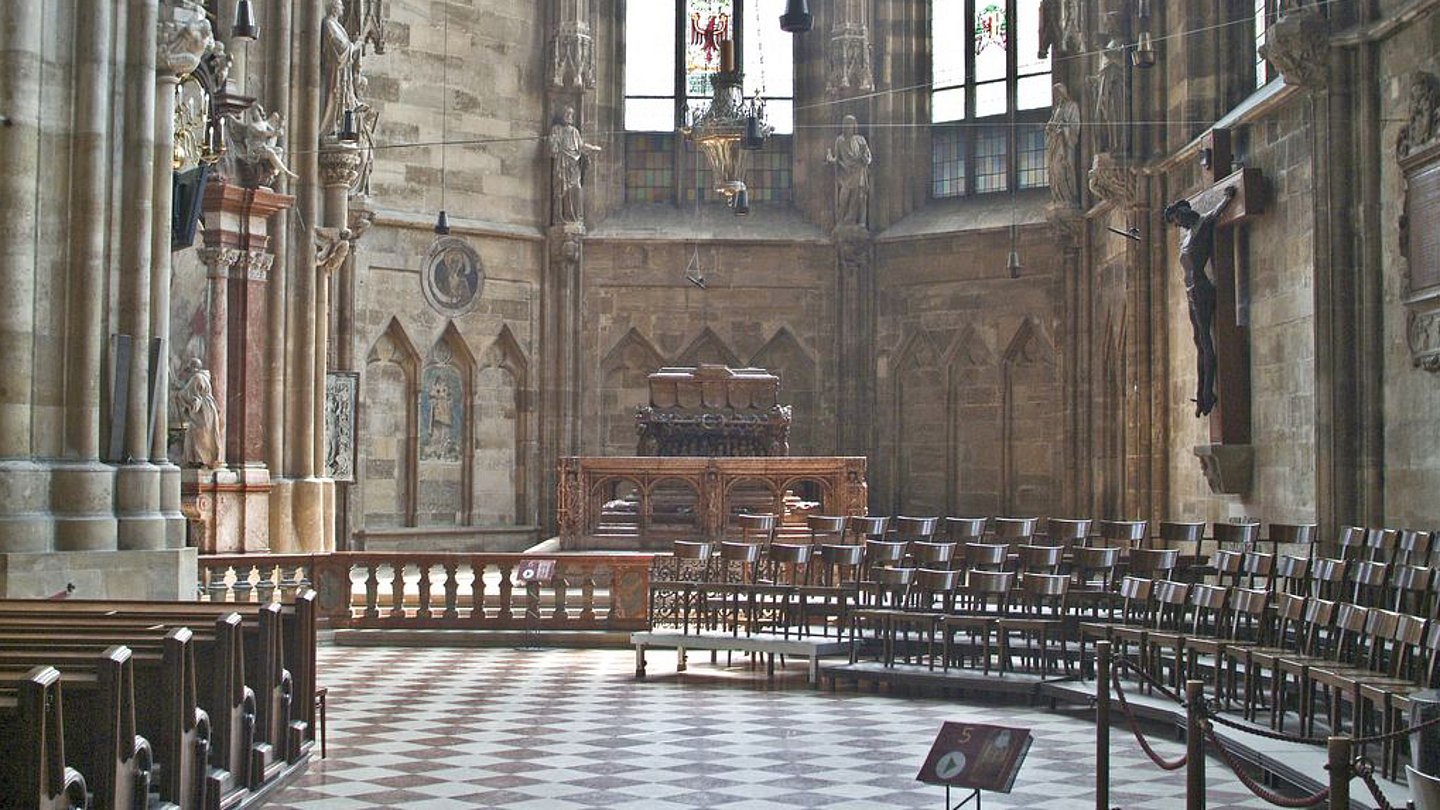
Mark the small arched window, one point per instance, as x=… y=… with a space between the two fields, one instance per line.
x=989 y=96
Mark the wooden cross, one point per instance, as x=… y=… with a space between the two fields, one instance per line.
x=1230 y=420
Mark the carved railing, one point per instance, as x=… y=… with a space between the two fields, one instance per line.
x=451 y=591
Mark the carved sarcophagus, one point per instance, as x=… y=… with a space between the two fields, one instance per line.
x=713 y=410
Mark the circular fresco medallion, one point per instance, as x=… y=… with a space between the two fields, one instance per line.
x=452 y=276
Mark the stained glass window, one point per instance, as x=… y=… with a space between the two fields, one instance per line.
x=1264 y=15
x=987 y=74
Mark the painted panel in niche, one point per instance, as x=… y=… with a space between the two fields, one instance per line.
x=442 y=414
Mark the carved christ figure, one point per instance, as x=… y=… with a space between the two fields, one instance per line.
x=851 y=158
x=1197 y=246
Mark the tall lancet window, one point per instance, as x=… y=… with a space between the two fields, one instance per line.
x=1264 y=16
x=989 y=96
x=672 y=48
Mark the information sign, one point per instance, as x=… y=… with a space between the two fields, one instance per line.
x=975 y=756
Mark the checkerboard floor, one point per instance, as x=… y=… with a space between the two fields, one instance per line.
x=558 y=729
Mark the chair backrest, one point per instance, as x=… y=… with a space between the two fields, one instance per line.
x=1242 y=535
x=1293 y=534
x=932 y=555
x=1095 y=567
x=1380 y=544
x=789 y=553
x=1413 y=547
x=883 y=553
x=1015 y=530
x=1207 y=603
x=1259 y=565
x=860 y=527
x=1293 y=573
x=1369 y=580
x=1155 y=563
x=1228 y=562
x=1351 y=542
x=1318 y=615
x=1350 y=623
x=984 y=556
x=1289 y=617
x=1066 y=532
x=915 y=528
x=1415 y=589
x=1328 y=576
x=1135 y=598
x=826 y=528
x=891 y=585
x=693 y=549
x=989 y=583
x=1123 y=533
x=1040 y=559
x=965 y=529
x=1180 y=534
x=1247 y=614
x=756 y=528
x=1424 y=789
x=1170 y=599
x=937 y=580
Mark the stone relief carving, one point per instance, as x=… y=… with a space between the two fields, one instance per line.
x=1111 y=181
x=850 y=155
x=1422 y=117
x=1417 y=150
x=1298 y=44
x=453 y=276
x=255 y=156
x=568 y=152
x=183 y=38
x=365 y=19
x=204 y=424
x=572 y=56
x=341 y=393
x=1062 y=149
x=849 y=60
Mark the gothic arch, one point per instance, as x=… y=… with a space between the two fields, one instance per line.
x=446 y=447
x=386 y=411
x=1032 y=416
x=707 y=347
x=502 y=433
x=624 y=387
x=784 y=356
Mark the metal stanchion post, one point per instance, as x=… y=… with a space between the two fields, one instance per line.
x=1194 y=745
x=1339 y=749
x=1102 y=725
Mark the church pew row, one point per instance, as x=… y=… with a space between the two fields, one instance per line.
x=33 y=771
x=177 y=647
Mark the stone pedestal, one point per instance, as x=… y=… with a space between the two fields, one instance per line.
x=1229 y=468
x=229 y=510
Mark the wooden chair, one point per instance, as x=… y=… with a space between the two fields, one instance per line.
x=1343 y=646
x=1237 y=537
x=825 y=529
x=985 y=597
x=882 y=600
x=1328 y=578
x=1039 y=559
x=1369 y=582
x=880 y=554
x=1167 y=615
x=915 y=529
x=1200 y=619
x=1292 y=574
x=1351 y=543
x=1414 y=587
x=935 y=589
x=1038 y=618
x=1245 y=624
x=1310 y=649
x=1381 y=545
x=1413 y=547
x=1381 y=654
x=1259 y=566
x=1260 y=658
x=839 y=564
x=1136 y=613
x=859 y=528
x=1014 y=531
x=1394 y=702
x=1094 y=568
x=983 y=556
x=931 y=555
x=1183 y=535
x=1153 y=563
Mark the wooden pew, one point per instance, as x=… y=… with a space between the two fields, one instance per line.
x=100 y=689
x=33 y=773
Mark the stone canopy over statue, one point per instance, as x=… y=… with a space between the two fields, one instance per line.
x=713 y=410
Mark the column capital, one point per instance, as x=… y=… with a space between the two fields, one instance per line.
x=339 y=164
x=184 y=37
x=219 y=259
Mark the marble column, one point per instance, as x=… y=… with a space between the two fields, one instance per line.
x=83 y=489
x=276 y=38
x=137 y=481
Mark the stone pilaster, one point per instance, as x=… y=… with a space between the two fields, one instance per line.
x=855 y=330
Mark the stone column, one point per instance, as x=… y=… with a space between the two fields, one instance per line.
x=137 y=498
x=219 y=261
x=276 y=36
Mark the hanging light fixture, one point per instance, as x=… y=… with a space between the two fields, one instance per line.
x=724 y=130
x=1012 y=263
x=741 y=202
x=1143 y=56
x=245 y=28
x=442 y=224
x=797 y=18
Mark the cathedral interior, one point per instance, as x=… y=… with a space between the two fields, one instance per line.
x=313 y=282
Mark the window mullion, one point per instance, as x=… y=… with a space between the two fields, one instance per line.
x=1012 y=100
x=968 y=132
x=682 y=101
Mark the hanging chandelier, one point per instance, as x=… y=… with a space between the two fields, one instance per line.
x=730 y=128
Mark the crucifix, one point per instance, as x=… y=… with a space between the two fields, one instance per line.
x=1218 y=313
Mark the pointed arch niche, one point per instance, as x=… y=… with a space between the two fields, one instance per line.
x=918 y=410
x=1032 y=410
x=445 y=449
x=707 y=347
x=974 y=426
x=386 y=472
x=784 y=356
x=624 y=386
x=502 y=434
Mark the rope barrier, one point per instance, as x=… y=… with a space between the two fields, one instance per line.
x=1374 y=738
x=1160 y=762
x=1267 y=733
x=1255 y=787
x=1365 y=769
x=1150 y=680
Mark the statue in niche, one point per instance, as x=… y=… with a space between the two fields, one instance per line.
x=1109 y=83
x=340 y=65
x=1197 y=245
x=851 y=158
x=1062 y=146
x=568 y=150
x=255 y=157
x=203 y=422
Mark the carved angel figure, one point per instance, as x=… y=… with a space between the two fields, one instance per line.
x=255 y=152
x=332 y=247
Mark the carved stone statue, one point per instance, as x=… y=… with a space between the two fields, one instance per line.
x=1422 y=118
x=567 y=151
x=332 y=247
x=851 y=157
x=1197 y=245
x=340 y=63
x=255 y=157
x=183 y=37
x=1109 y=82
x=1062 y=149
x=203 y=420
